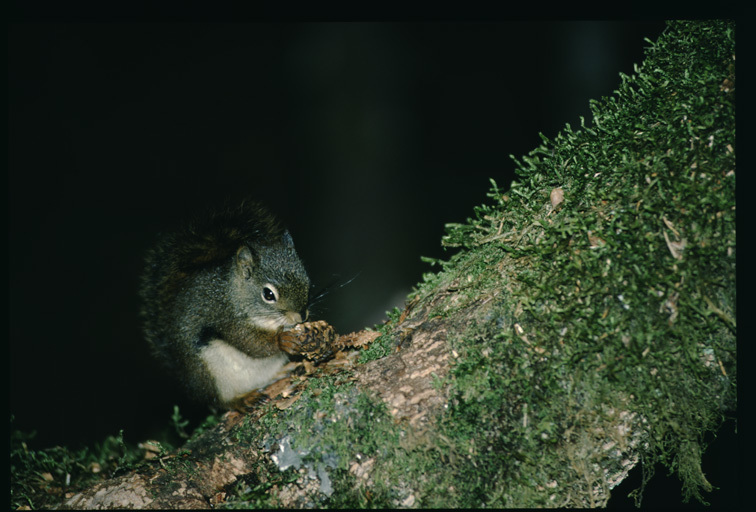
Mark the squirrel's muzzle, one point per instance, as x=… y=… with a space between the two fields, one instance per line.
x=293 y=318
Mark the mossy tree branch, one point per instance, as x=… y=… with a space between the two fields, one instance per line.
x=585 y=323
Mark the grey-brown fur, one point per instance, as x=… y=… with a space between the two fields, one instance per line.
x=205 y=281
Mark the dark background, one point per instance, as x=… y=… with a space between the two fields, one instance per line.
x=366 y=138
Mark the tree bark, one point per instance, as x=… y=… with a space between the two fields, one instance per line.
x=196 y=475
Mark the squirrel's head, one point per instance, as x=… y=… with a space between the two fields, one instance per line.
x=270 y=285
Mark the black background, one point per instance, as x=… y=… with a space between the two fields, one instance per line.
x=366 y=138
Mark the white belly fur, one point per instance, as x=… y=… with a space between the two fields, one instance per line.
x=235 y=372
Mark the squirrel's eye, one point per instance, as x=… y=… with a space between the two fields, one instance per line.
x=270 y=294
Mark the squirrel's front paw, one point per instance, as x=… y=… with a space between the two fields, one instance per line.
x=313 y=340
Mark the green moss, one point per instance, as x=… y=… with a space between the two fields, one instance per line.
x=250 y=491
x=384 y=344
x=621 y=297
x=40 y=478
x=315 y=440
x=613 y=307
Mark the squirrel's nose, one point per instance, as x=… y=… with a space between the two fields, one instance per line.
x=297 y=318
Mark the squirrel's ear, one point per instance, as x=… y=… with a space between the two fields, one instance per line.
x=287 y=240
x=245 y=260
